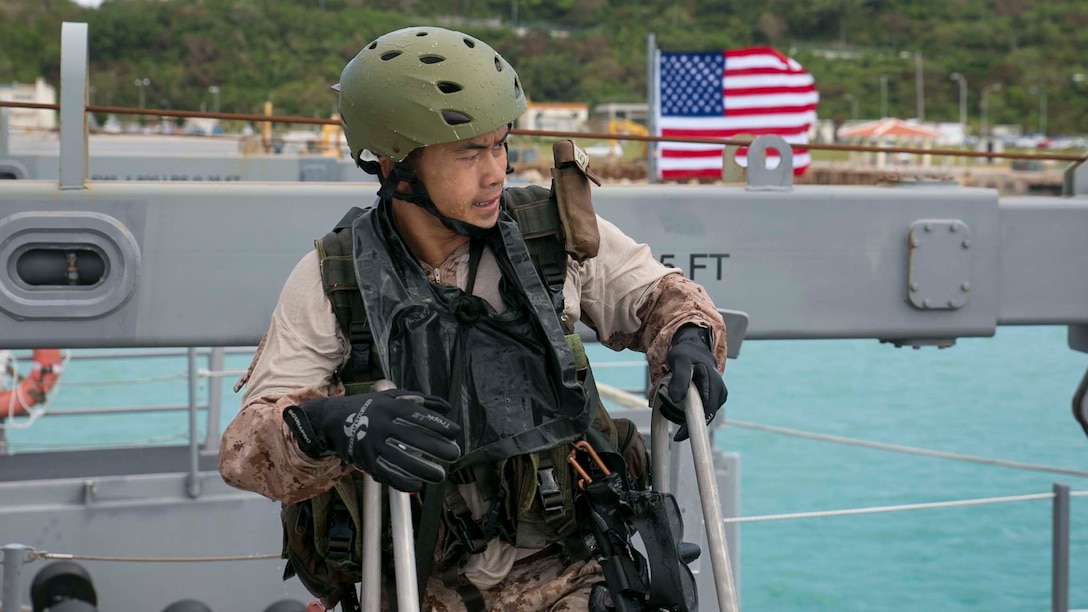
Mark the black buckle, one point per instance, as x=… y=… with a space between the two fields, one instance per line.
x=547 y=487
x=462 y=476
x=360 y=357
x=468 y=533
x=341 y=534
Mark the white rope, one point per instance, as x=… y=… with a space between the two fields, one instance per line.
x=184 y=435
x=909 y=450
x=621 y=397
x=629 y=400
x=35 y=555
x=899 y=508
x=136 y=381
x=16 y=401
x=220 y=373
x=6 y=358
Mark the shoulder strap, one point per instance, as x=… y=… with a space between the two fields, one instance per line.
x=536 y=212
x=334 y=252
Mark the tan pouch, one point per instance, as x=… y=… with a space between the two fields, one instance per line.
x=570 y=181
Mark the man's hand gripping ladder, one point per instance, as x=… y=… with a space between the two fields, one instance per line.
x=404 y=559
x=708 y=489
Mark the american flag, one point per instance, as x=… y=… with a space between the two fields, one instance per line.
x=723 y=94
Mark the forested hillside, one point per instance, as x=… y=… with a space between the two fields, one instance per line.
x=290 y=51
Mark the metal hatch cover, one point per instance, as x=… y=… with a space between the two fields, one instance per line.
x=939 y=276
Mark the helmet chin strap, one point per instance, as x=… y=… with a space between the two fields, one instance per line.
x=402 y=171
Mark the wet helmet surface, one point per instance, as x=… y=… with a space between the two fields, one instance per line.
x=425 y=85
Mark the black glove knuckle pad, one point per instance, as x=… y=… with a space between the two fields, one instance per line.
x=397 y=437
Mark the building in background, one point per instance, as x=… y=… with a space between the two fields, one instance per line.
x=30 y=118
x=558 y=116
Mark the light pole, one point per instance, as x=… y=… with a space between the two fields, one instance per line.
x=919 y=87
x=984 y=130
x=883 y=96
x=853 y=105
x=142 y=85
x=1039 y=91
x=919 y=83
x=962 y=80
x=214 y=91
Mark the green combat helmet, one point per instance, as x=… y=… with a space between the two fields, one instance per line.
x=422 y=86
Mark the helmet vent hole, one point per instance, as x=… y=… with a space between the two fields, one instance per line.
x=373 y=45
x=432 y=59
x=449 y=87
x=517 y=88
x=471 y=44
x=498 y=64
x=453 y=117
x=421 y=33
x=390 y=55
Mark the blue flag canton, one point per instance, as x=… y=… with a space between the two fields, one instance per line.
x=691 y=84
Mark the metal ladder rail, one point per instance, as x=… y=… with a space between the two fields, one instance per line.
x=708 y=489
x=404 y=557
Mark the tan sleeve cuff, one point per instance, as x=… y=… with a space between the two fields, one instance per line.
x=673 y=302
x=258 y=452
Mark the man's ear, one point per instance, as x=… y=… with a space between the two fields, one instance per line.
x=386 y=165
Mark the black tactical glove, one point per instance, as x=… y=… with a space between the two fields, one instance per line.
x=690 y=360
x=395 y=436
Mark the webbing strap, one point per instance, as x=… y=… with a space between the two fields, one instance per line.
x=337 y=264
x=536 y=213
x=427 y=535
x=539 y=218
x=470 y=595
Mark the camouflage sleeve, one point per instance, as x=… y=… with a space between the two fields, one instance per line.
x=295 y=362
x=259 y=454
x=635 y=302
x=675 y=301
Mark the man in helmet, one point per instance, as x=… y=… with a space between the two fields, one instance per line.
x=457 y=316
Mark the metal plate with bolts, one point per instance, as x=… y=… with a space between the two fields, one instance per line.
x=939 y=276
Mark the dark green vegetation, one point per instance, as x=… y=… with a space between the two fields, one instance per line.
x=290 y=51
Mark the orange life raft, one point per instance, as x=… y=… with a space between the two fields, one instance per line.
x=33 y=388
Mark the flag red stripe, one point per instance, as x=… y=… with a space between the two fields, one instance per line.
x=768 y=110
x=750 y=51
x=676 y=133
x=717 y=153
x=759 y=71
x=710 y=173
x=736 y=92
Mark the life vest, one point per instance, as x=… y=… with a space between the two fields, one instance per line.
x=532 y=492
x=32 y=389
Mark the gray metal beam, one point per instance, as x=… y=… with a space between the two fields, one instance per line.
x=1044 y=260
x=158 y=164
x=206 y=261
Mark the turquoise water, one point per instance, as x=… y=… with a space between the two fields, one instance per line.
x=1005 y=397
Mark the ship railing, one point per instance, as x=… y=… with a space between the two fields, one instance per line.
x=212 y=369
x=206 y=366
x=16 y=556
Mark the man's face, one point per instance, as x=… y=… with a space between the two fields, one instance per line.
x=465 y=178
